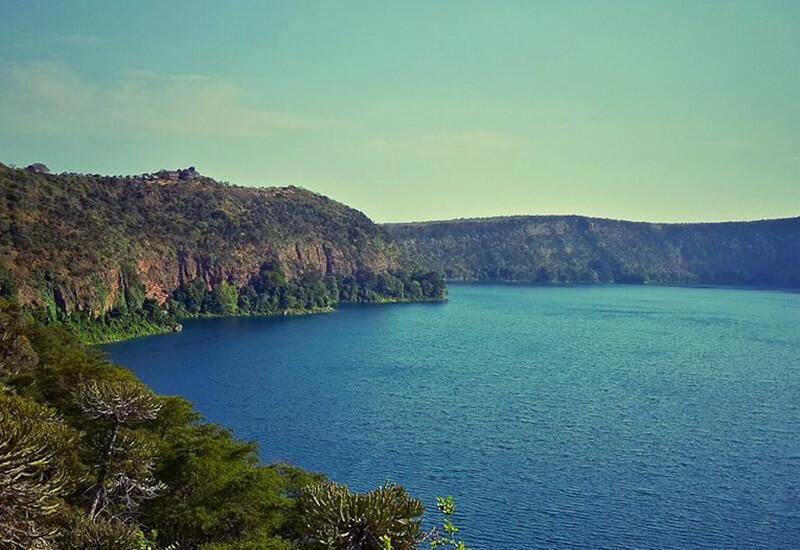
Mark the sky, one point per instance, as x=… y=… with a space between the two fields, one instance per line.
x=416 y=110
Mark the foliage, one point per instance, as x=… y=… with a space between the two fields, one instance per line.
x=447 y=508
x=576 y=249
x=16 y=353
x=33 y=471
x=156 y=464
x=77 y=532
x=8 y=287
x=117 y=402
x=147 y=541
x=118 y=257
x=218 y=492
x=115 y=325
x=337 y=519
x=269 y=292
x=124 y=464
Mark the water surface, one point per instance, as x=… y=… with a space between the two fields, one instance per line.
x=597 y=417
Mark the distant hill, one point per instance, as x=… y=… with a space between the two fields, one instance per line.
x=96 y=246
x=118 y=256
x=578 y=249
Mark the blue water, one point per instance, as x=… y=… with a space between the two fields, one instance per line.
x=598 y=417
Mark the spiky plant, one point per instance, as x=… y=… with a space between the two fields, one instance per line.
x=31 y=472
x=337 y=519
x=114 y=404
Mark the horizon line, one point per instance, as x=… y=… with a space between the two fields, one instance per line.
x=429 y=221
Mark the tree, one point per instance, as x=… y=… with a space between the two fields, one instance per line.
x=224 y=299
x=80 y=533
x=332 y=284
x=216 y=489
x=16 y=352
x=114 y=404
x=33 y=473
x=8 y=287
x=192 y=295
x=336 y=519
x=134 y=294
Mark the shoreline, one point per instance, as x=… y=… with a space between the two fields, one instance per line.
x=286 y=313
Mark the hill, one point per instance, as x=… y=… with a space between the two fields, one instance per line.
x=564 y=249
x=112 y=257
x=139 y=250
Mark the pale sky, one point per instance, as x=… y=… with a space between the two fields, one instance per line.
x=418 y=110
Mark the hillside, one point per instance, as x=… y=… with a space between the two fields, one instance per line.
x=580 y=249
x=78 y=247
x=118 y=256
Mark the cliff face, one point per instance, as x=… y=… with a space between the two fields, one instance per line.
x=76 y=242
x=92 y=243
x=580 y=249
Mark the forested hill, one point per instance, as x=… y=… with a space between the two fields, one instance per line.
x=77 y=247
x=580 y=249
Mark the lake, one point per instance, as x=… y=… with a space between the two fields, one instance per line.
x=592 y=417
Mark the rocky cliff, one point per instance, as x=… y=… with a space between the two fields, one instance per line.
x=74 y=242
x=92 y=244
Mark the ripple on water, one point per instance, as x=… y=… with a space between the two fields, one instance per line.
x=601 y=417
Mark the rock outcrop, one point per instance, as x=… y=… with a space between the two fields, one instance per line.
x=75 y=242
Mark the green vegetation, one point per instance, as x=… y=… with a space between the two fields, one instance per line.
x=337 y=519
x=384 y=519
x=91 y=459
x=131 y=316
x=447 y=508
x=269 y=292
x=113 y=327
x=112 y=257
x=575 y=249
